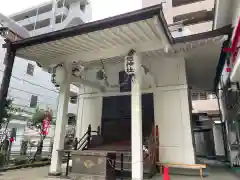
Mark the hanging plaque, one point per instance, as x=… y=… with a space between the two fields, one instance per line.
x=129 y=65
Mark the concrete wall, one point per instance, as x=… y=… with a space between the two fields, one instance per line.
x=170 y=12
x=171 y=107
x=172 y=116
x=222 y=15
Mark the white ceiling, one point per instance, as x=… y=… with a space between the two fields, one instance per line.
x=145 y=35
x=201 y=65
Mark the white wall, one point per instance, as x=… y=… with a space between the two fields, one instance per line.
x=172 y=116
x=146 y=3
x=23 y=86
x=235 y=12
x=20 y=130
x=171 y=107
x=222 y=15
x=90 y=112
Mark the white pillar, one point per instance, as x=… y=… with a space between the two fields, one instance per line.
x=136 y=128
x=60 y=129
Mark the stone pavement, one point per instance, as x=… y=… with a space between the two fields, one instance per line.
x=41 y=174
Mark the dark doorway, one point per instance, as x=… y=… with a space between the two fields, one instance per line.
x=116 y=117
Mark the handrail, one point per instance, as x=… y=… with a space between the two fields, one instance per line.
x=85 y=138
x=78 y=142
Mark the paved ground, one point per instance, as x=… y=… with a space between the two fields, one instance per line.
x=41 y=174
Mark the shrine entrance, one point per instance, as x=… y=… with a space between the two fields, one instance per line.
x=116 y=118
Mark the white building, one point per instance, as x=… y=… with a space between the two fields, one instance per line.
x=165 y=69
x=228 y=75
x=30 y=86
x=187 y=16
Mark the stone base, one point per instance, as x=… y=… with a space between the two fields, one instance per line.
x=94 y=164
x=89 y=177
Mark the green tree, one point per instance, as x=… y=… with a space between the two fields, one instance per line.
x=6 y=113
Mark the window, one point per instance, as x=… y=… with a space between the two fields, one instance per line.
x=176 y=3
x=203 y=96
x=72 y=120
x=73 y=99
x=194 y=96
x=83 y=7
x=33 y=102
x=30 y=69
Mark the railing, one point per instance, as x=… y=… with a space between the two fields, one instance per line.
x=81 y=144
x=85 y=140
x=150 y=152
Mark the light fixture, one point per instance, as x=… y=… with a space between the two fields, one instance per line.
x=217 y=122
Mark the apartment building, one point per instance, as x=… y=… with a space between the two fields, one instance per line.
x=47 y=17
x=186 y=16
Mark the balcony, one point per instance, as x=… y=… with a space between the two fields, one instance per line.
x=30 y=20
x=176 y=3
x=194 y=17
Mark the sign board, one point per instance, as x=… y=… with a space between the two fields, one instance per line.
x=129 y=65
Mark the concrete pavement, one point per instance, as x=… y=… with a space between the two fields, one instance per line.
x=42 y=172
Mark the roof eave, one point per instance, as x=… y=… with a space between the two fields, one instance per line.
x=119 y=20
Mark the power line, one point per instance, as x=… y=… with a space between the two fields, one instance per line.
x=48 y=97
x=26 y=100
x=32 y=83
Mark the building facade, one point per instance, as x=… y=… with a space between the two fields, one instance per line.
x=188 y=16
x=30 y=85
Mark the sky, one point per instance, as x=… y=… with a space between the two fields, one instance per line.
x=101 y=8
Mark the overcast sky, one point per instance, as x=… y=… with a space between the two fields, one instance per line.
x=101 y=8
